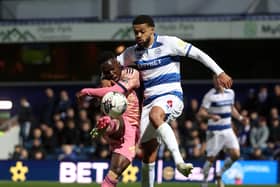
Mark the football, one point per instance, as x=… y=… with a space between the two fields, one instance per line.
x=113 y=104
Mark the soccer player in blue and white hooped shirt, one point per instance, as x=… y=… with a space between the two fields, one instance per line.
x=157 y=59
x=218 y=108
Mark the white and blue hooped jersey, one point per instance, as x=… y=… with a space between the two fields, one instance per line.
x=219 y=104
x=159 y=66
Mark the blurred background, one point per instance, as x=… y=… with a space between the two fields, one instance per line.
x=48 y=51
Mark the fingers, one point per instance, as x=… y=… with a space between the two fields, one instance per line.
x=224 y=80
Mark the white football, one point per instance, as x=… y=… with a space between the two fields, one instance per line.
x=113 y=104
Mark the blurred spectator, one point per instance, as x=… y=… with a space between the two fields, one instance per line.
x=250 y=103
x=83 y=117
x=244 y=139
x=38 y=155
x=24 y=155
x=186 y=134
x=16 y=154
x=49 y=141
x=68 y=153
x=25 y=119
x=63 y=104
x=244 y=134
x=202 y=131
x=85 y=138
x=102 y=149
x=48 y=107
x=71 y=133
x=71 y=115
x=59 y=130
x=274 y=139
x=259 y=136
x=257 y=154
x=263 y=101
x=36 y=146
x=197 y=149
x=254 y=118
x=275 y=97
x=167 y=156
x=273 y=115
x=191 y=110
x=36 y=134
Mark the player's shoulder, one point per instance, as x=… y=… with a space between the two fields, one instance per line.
x=229 y=91
x=209 y=94
x=212 y=91
x=130 y=49
x=167 y=38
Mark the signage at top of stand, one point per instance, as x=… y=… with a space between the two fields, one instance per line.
x=189 y=30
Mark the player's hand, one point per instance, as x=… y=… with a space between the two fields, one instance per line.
x=224 y=80
x=101 y=127
x=103 y=122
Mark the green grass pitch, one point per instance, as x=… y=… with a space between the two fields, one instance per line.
x=56 y=184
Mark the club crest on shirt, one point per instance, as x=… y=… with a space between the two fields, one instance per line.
x=157 y=51
x=170 y=103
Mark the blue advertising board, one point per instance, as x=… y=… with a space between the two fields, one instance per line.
x=242 y=172
x=250 y=172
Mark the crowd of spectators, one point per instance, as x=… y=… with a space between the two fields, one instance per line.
x=61 y=132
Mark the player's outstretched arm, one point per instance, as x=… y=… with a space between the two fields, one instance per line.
x=223 y=79
x=130 y=82
x=100 y=92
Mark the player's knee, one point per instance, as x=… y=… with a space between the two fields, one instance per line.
x=235 y=155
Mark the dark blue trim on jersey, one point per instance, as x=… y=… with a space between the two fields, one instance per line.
x=166 y=117
x=157 y=62
x=225 y=91
x=156 y=43
x=189 y=49
x=218 y=127
x=163 y=79
x=222 y=103
x=150 y=99
x=122 y=86
x=222 y=115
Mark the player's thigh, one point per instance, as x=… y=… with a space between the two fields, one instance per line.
x=231 y=143
x=127 y=147
x=214 y=143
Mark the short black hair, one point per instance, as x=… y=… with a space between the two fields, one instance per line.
x=105 y=56
x=143 y=19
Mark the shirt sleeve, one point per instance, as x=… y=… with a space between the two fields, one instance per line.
x=180 y=47
x=199 y=55
x=126 y=58
x=206 y=102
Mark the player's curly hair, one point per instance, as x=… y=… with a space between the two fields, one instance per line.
x=143 y=19
x=105 y=56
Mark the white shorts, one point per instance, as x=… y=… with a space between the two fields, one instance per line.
x=218 y=140
x=172 y=106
